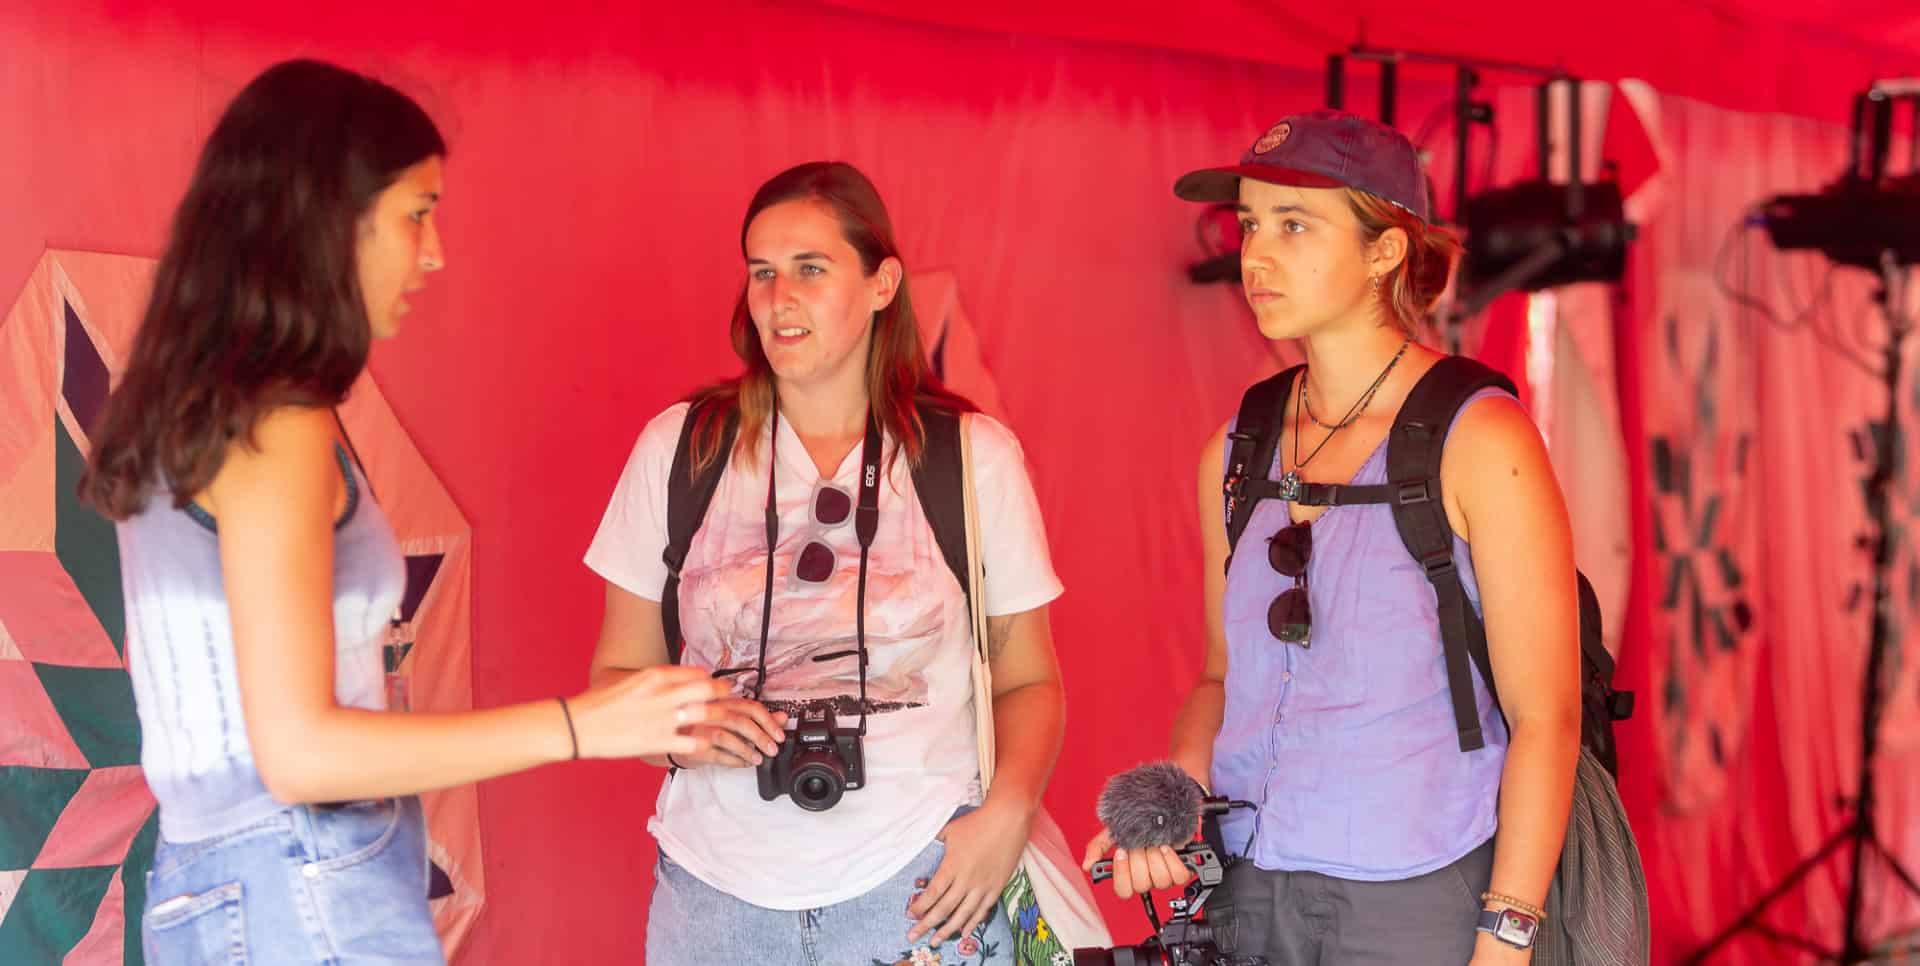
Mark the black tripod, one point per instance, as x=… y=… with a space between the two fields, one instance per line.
x=1859 y=830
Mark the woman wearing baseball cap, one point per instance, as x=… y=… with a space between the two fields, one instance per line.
x=1324 y=698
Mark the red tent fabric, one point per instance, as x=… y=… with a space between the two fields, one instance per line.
x=1749 y=55
x=603 y=153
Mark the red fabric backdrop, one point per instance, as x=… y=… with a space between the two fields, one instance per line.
x=601 y=159
x=1752 y=55
x=1751 y=614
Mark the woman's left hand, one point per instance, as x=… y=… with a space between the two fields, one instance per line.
x=983 y=847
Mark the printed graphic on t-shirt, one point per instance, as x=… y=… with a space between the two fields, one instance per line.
x=812 y=654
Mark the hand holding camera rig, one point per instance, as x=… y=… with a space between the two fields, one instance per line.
x=1155 y=805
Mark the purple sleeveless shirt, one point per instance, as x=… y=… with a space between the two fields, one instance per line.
x=1348 y=748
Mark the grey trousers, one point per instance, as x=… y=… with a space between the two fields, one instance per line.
x=1309 y=919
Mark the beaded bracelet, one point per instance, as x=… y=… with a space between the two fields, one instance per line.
x=1526 y=907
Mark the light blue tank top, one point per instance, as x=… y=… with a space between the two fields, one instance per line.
x=1349 y=747
x=193 y=736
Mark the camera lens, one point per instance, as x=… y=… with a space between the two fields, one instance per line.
x=819 y=779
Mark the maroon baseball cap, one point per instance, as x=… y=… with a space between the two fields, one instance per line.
x=1322 y=149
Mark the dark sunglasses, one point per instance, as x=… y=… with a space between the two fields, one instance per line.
x=830 y=508
x=1289 y=617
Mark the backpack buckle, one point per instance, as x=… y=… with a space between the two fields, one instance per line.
x=1438 y=564
x=1415 y=493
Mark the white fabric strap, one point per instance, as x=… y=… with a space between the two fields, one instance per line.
x=1064 y=894
x=977 y=606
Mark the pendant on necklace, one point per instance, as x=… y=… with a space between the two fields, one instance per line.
x=1290 y=486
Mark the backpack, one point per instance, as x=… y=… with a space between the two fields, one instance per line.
x=1414 y=449
x=1597 y=908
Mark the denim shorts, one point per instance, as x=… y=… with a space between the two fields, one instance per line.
x=691 y=923
x=333 y=885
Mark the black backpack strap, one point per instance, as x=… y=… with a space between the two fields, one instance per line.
x=1591 y=646
x=1345 y=494
x=687 y=500
x=1414 y=452
x=942 y=489
x=1251 y=445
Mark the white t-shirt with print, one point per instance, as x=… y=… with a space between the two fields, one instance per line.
x=920 y=751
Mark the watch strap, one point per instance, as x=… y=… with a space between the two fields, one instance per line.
x=1490 y=921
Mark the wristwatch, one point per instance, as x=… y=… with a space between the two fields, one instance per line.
x=1510 y=926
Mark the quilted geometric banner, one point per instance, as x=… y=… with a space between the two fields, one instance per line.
x=1704 y=529
x=77 y=823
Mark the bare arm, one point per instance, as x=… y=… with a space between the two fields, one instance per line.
x=1029 y=707
x=1198 y=721
x=275 y=502
x=738 y=732
x=984 y=846
x=631 y=636
x=1512 y=512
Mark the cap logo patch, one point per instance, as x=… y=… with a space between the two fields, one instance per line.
x=1274 y=138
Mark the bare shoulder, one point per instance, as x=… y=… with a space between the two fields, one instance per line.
x=289 y=453
x=1492 y=431
x=1496 y=471
x=1212 y=496
x=1213 y=454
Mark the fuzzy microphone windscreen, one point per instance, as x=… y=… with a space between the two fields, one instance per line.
x=1155 y=804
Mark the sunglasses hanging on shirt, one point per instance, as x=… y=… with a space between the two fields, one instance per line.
x=829 y=509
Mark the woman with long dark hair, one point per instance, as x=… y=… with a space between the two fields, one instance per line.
x=260 y=572
x=823 y=615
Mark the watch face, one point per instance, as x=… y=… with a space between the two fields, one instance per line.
x=1516 y=927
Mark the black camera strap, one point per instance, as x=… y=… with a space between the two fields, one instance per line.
x=866 y=523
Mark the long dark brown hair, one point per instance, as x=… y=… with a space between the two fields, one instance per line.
x=256 y=302
x=899 y=380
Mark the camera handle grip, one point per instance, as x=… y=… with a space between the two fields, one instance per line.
x=1103 y=869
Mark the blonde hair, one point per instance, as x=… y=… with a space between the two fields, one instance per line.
x=1409 y=291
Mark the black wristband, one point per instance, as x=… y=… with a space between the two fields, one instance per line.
x=573 y=737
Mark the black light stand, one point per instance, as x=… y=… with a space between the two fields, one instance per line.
x=1838 y=222
x=1859 y=830
x=1528 y=236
